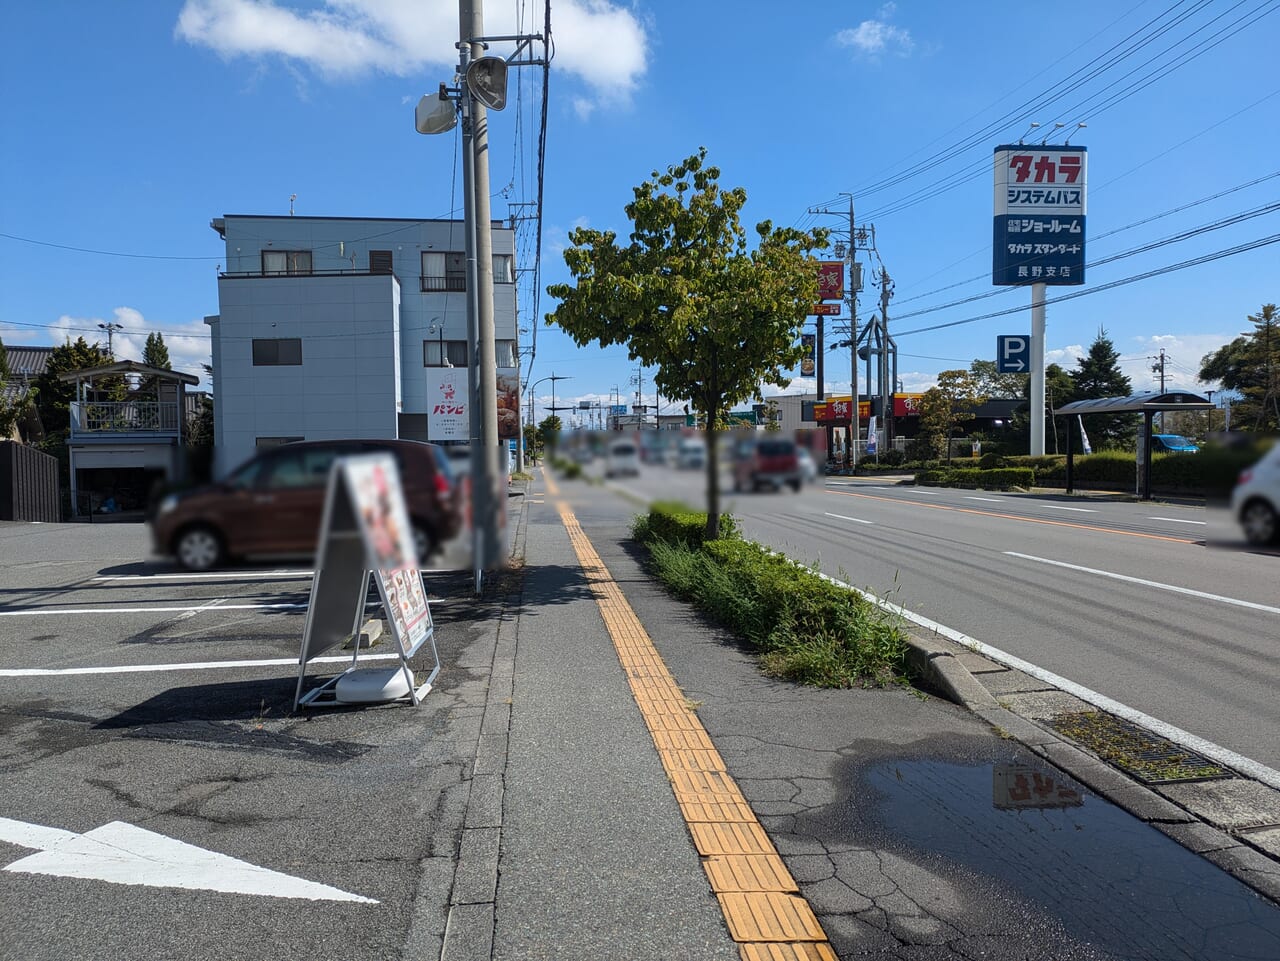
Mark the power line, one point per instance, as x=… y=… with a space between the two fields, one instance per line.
x=1196 y=261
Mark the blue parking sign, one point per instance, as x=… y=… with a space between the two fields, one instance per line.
x=1013 y=353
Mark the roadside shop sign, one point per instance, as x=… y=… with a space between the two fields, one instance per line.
x=365 y=533
x=448 y=404
x=837 y=410
x=824 y=310
x=806 y=362
x=1039 y=220
x=1013 y=353
x=830 y=279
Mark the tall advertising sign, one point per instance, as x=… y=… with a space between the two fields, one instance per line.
x=1038 y=227
x=830 y=279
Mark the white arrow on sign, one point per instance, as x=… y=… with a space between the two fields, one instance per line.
x=122 y=853
x=1018 y=363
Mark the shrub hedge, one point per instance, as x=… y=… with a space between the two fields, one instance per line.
x=1002 y=478
x=804 y=627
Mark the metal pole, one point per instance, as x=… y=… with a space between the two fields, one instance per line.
x=1037 y=369
x=853 y=340
x=484 y=454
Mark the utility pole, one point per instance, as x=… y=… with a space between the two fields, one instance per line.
x=886 y=387
x=1158 y=368
x=111 y=327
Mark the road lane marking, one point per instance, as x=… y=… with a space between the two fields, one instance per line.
x=1177 y=520
x=221 y=575
x=1017 y=517
x=196 y=666
x=121 y=853
x=757 y=894
x=1173 y=588
x=856 y=520
x=1214 y=752
x=990 y=500
x=1078 y=510
x=31 y=612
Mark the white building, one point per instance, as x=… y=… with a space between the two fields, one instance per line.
x=326 y=326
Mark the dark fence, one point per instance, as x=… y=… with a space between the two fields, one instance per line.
x=28 y=484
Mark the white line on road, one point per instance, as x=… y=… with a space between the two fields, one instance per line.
x=856 y=520
x=1177 y=520
x=1191 y=742
x=1233 y=601
x=31 y=612
x=1078 y=510
x=989 y=500
x=197 y=666
x=221 y=575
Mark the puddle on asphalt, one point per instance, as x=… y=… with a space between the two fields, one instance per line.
x=1113 y=881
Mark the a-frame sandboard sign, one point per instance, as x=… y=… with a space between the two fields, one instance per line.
x=365 y=533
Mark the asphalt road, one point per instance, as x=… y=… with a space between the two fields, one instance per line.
x=147 y=708
x=1158 y=606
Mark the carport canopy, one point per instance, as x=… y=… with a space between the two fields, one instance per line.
x=1147 y=404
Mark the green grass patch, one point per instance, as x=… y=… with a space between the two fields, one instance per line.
x=804 y=628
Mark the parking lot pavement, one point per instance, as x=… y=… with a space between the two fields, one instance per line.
x=148 y=711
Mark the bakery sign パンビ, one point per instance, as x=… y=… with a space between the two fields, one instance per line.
x=449 y=404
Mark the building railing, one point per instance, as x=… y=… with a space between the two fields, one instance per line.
x=129 y=416
x=434 y=284
x=275 y=274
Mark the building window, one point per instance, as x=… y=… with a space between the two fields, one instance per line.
x=505 y=353
x=455 y=353
x=277 y=352
x=263 y=442
x=380 y=262
x=444 y=270
x=503 y=273
x=281 y=262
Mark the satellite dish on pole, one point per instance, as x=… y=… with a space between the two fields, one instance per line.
x=435 y=113
x=487 y=81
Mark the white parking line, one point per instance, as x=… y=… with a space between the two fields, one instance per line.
x=1078 y=510
x=32 y=612
x=1191 y=742
x=856 y=520
x=197 y=666
x=1233 y=601
x=221 y=575
x=989 y=500
x=1177 y=520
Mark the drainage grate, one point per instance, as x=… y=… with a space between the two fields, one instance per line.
x=1150 y=758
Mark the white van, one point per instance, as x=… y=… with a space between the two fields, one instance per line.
x=623 y=457
x=691 y=454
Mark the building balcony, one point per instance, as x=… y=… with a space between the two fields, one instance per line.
x=104 y=419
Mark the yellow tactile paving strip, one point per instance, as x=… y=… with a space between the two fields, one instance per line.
x=760 y=900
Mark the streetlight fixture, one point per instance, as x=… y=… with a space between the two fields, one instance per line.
x=111 y=328
x=550 y=377
x=438 y=328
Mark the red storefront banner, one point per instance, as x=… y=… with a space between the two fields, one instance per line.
x=830 y=279
x=826 y=310
x=906 y=405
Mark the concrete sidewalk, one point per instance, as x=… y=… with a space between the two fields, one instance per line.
x=641 y=791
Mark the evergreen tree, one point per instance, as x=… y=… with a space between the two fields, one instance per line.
x=155 y=353
x=1099 y=375
x=1250 y=365
x=9 y=406
x=54 y=396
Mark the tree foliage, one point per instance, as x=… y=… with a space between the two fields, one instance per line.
x=155 y=353
x=993 y=385
x=946 y=407
x=1250 y=365
x=1099 y=375
x=10 y=406
x=54 y=396
x=687 y=296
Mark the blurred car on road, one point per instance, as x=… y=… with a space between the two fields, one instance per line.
x=1255 y=501
x=1172 y=444
x=273 y=503
x=691 y=453
x=622 y=458
x=808 y=469
x=766 y=463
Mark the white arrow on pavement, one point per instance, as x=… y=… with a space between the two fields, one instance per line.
x=122 y=853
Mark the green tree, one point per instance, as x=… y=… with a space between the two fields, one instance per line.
x=1250 y=365
x=155 y=353
x=54 y=396
x=1099 y=375
x=993 y=385
x=549 y=432
x=10 y=403
x=687 y=296
x=946 y=407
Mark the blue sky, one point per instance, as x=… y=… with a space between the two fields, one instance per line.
x=128 y=126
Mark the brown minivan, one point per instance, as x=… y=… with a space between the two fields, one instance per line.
x=272 y=504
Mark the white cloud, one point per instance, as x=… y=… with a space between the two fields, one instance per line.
x=871 y=38
x=188 y=344
x=16 y=335
x=603 y=44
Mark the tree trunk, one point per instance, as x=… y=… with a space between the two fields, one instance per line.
x=713 y=475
